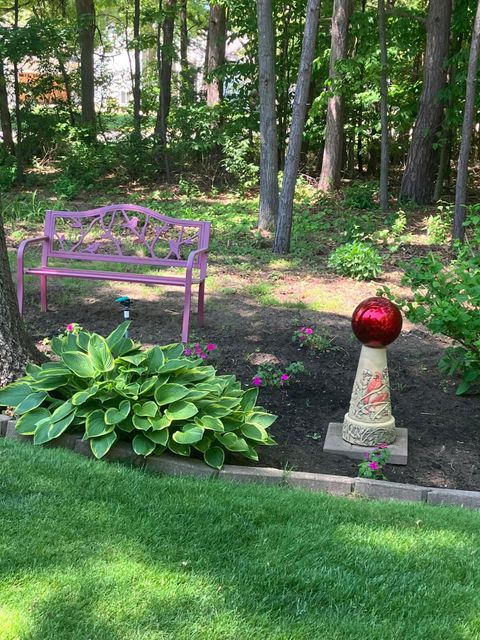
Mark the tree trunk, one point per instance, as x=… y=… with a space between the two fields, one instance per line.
x=268 y=208
x=333 y=150
x=18 y=112
x=86 y=27
x=136 y=70
x=468 y=115
x=419 y=178
x=5 y=119
x=283 y=98
x=165 y=56
x=284 y=224
x=383 y=107
x=217 y=39
x=186 y=77
x=16 y=346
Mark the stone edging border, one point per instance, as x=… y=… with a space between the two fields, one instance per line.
x=334 y=485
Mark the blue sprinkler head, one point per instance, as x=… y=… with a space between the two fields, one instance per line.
x=124 y=300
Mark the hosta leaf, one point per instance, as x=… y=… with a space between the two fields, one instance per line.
x=41 y=432
x=146 y=409
x=134 y=359
x=82 y=396
x=142 y=445
x=117 y=335
x=249 y=399
x=159 y=437
x=32 y=401
x=56 y=345
x=100 y=354
x=209 y=422
x=63 y=411
x=27 y=424
x=146 y=386
x=263 y=420
x=188 y=435
x=173 y=350
x=174 y=365
x=169 y=393
x=95 y=425
x=141 y=423
x=126 y=425
x=130 y=390
x=160 y=422
x=214 y=457
x=179 y=449
x=232 y=442
x=13 y=394
x=79 y=363
x=102 y=445
x=83 y=338
x=194 y=394
x=51 y=382
x=155 y=359
x=57 y=368
x=114 y=415
x=229 y=424
x=250 y=453
x=254 y=433
x=60 y=425
x=181 y=410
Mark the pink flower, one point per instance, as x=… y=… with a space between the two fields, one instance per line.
x=382 y=445
x=211 y=347
x=284 y=377
x=373 y=465
x=308 y=331
x=70 y=327
x=187 y=352
x=257 y=381
x=203 y=356
x=366 y=455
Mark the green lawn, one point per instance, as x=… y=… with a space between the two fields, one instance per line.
x=96 y=551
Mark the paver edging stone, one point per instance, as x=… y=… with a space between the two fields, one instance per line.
x=335 y=485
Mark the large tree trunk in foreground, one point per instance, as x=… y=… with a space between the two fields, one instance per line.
x=86 y=29
x=468 y=115
x=284 y=224
x=16 y=347
x=334 y=134
x=418 y=181
x=216 y=41
x=383 y=107
x=268 y=208
x=5 y=119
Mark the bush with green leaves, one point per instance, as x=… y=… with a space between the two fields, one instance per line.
x=357 y=260
x=439 y=225
x=111 y=389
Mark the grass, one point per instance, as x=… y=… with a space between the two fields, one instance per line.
x=90 y=550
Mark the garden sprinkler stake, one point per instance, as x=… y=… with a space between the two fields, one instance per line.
x=125 y=302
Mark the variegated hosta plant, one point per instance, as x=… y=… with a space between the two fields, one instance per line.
x=111 y=389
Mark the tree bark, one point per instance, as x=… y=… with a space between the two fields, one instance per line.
x=422 y=161
x=186 y=78
x=217 y=39
x=18 y=112
x=383 y=107
x=165 y=56
x=86 y=28
x=268 y=208
x=333 y=150
x=16 y=346
x=136 y=70
x=468 y=115
x=5 y=119
x=284 y=223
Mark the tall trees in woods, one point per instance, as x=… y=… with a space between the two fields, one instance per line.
x=137 y=70
x=5 y=120
x=418 y=181
x=215 y=54
x=382 y=36
x=164 y=63
x=334 y=132
x=268 y=206
x=463 y=156
x=86 y=37
x=284 y=224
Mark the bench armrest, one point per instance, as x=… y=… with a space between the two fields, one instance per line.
x=23 y=245
x=203 y=264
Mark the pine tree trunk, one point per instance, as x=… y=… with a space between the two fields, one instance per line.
x=16 y=347
x=383 y=107
x=217 y=39
x=468 y=115
x=136 y=70
x=333 y=150
x=268 y=208
x=86 y=27
x=418 y=181
x=5 y=119
x=165 y=56
x=284 y=223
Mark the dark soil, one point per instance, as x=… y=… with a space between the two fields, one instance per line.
x=444 y=434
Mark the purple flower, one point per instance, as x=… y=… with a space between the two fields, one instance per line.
x=187 y=352
x=308 y=331
x=373 y=465
x=382 y=445
x=70 y=327
x=257 y=381
x=284 y=377
x=211 y=347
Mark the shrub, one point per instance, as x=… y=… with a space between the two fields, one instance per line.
x=316 y=340
x=374 y=463
x=8 y=171
x=357 y=260
x=158 y=399
x=360 y=196
x=271 y=375
x=439 y=225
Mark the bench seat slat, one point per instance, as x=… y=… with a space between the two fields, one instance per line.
x=117 y=276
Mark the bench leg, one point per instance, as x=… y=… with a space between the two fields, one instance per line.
x=20 y=290
x=201 y=304
x=43 y=293
x=186 y=313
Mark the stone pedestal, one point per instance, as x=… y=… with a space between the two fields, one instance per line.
x=369 y=420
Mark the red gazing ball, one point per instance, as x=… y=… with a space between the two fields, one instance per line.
x=376 y=322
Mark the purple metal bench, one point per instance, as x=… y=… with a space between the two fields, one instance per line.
x=124 y=234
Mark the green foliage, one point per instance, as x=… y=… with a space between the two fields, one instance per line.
x=439 y=225
x=374 y=463
x=317 y=340
x=272 y=375
x=157 y=399
x=446 y=299
x=357 y=260
x=360 y=196
x=8 y=170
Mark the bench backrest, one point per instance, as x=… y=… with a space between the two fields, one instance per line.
x=124 y=233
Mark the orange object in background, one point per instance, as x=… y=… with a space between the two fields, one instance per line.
x=56 y=94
